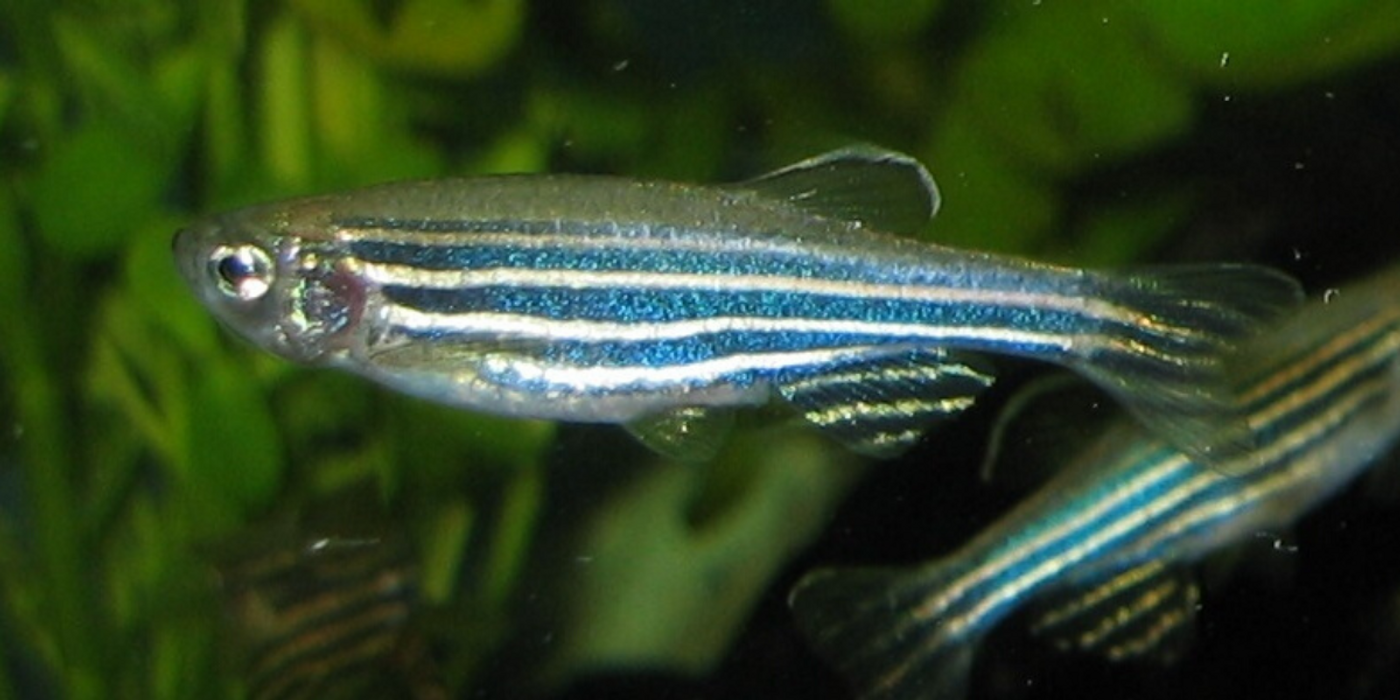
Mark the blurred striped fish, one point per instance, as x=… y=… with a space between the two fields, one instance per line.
x=654 y=304
x=324 y=617
x=1101 y=550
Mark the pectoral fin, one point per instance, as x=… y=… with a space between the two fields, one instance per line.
x=689 y=434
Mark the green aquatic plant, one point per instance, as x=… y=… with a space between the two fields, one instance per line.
x=135 y=433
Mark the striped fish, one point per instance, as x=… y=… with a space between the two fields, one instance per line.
x=1102 y=550
x=656 y=305
x=325 y=617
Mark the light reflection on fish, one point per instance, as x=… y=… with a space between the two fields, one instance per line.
x=1101 y=550
x=659 y=305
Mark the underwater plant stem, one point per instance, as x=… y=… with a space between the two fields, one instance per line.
x=285 y=112
x=514 y=529
x=48 y=469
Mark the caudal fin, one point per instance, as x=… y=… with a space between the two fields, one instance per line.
x=1165 y=359
x=884 y=629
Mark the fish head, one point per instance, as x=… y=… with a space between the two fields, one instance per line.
x=272 y=274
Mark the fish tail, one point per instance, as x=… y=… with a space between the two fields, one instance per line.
x=887 y=631
x=1165 y=358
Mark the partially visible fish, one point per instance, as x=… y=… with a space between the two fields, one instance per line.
x=323 y=617
x=1102 y=550
x=655 y=304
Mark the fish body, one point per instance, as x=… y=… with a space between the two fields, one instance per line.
x=599 y=299
x=1102 y=550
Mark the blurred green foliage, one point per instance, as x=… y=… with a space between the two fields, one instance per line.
x=135 y=432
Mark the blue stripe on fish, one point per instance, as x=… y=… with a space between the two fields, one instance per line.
x=635 y=306
x=660 y=249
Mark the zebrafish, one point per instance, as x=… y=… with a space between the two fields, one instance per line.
x=1101 y=553
x=659 y=305
x=325 y=617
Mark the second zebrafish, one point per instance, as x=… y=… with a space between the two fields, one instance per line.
x=1102 y=550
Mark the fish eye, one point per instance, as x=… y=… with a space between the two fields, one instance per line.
x=243 y=272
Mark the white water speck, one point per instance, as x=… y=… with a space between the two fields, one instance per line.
x=1277 y=542
x=622 y=65
x=1224 y=59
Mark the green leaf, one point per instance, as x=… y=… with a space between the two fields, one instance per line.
x=285 y=104
x=1127 y=233
x=595 y=123
x=235 y=455
x=163 y=296
x=449 y=531
x=875 y=20
x=1262 y=42
x=93 y=188
x=444 y=37
x=178 y=79
x=116 y=86
x=1060 y=86
x=442 y=444
x=652 y=586
x=988 y=202
x=7 y=91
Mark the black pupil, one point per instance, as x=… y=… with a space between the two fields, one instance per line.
x=235 y=268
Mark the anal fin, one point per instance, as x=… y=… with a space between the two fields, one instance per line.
x=1147 y=612
x=881 y=405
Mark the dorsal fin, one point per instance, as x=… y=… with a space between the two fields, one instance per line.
x=881 y=189
x=1147 y=612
